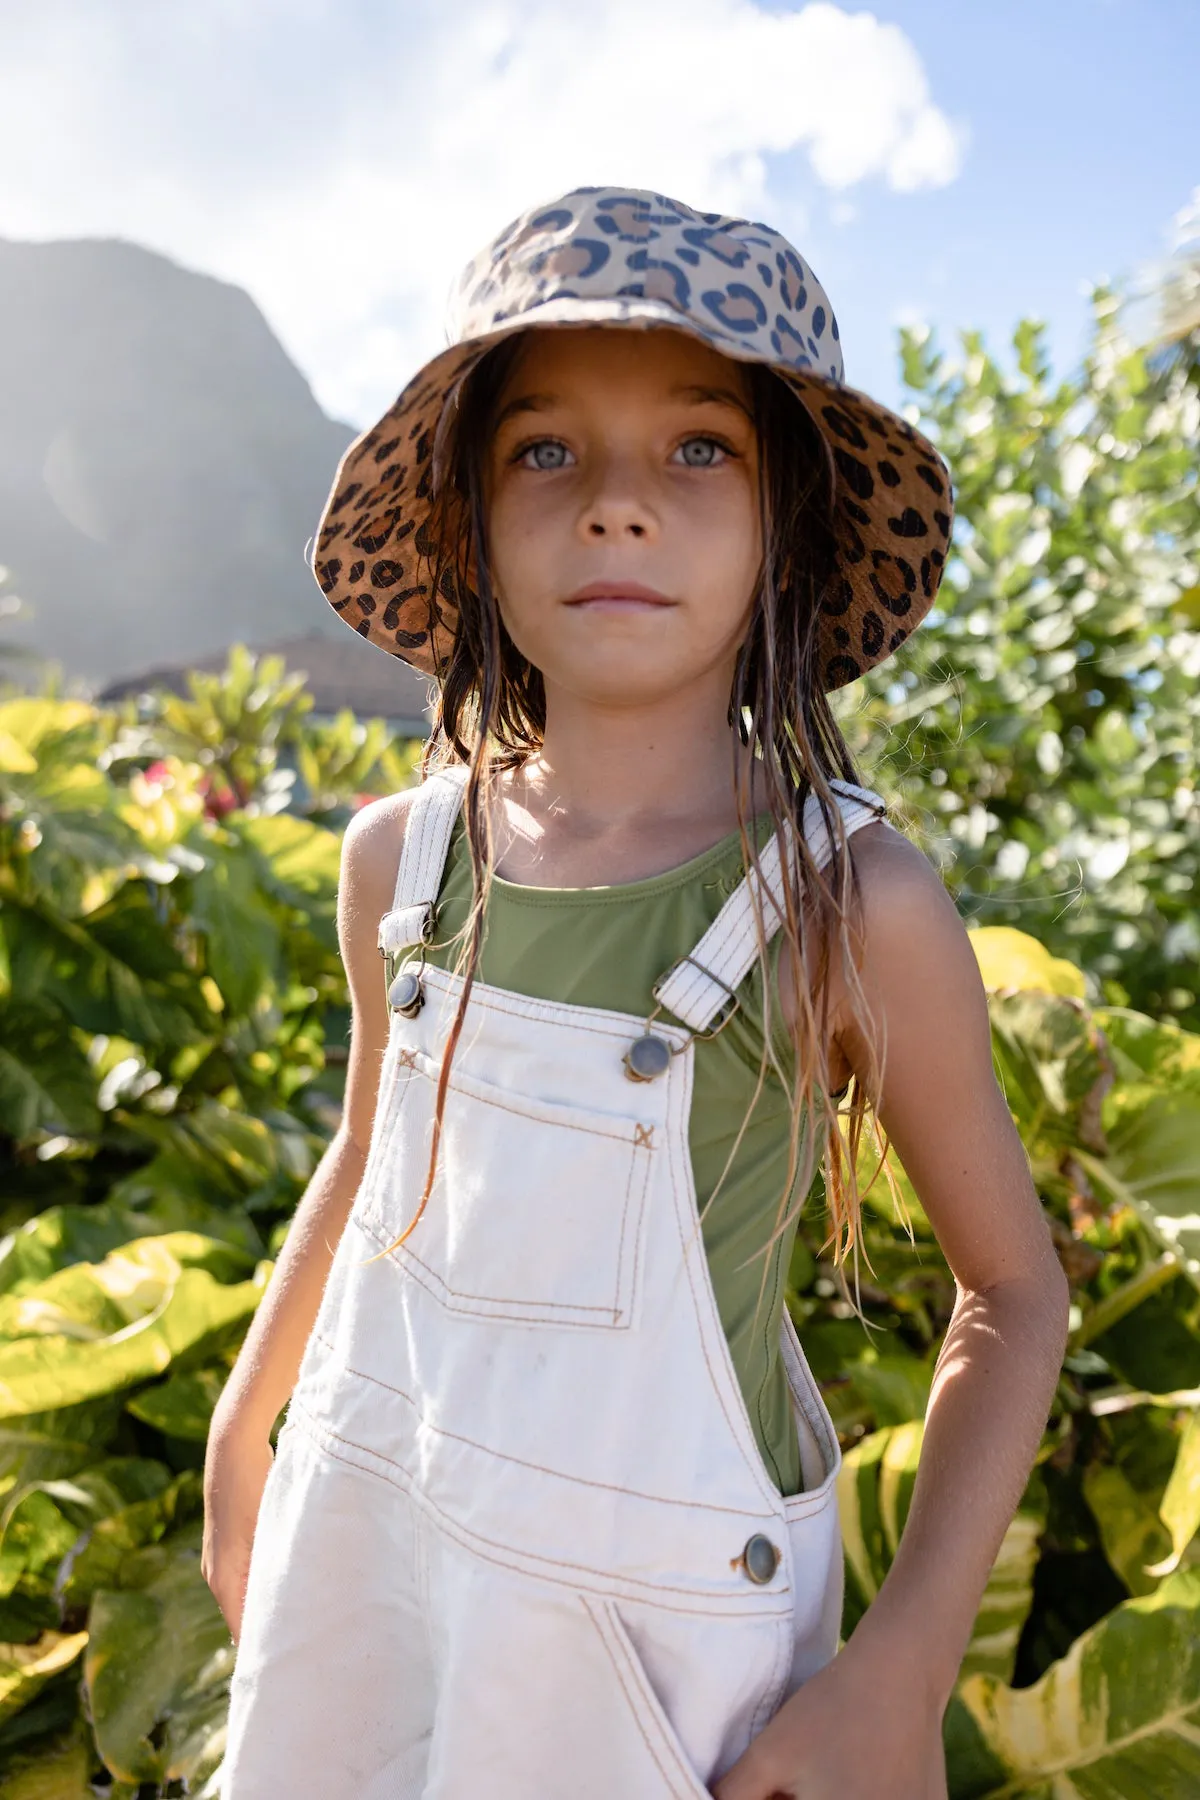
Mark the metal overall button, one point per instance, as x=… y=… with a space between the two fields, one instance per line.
x=406 y=994
x=759 y=1560
x=647 y=1058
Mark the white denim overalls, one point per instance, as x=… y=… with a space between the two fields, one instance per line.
x=518 y=1541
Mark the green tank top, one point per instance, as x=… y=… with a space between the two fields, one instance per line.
x=606 y=947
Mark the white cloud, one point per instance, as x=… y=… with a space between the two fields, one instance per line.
x=342 y=158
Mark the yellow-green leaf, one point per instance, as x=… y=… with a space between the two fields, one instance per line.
x=1012 y=959
x=14 y=758
x=158 y=1664
x=1180 y=1509
x=1118 y=1716
x=25 y=1668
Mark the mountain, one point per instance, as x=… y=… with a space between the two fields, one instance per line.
x=163 y=462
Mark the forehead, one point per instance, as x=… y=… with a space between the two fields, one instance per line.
x=575 y=361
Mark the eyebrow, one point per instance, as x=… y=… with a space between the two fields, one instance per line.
x=701 y=395
x=696 y=393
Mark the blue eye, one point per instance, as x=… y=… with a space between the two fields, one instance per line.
x=546 y=453
x=702 y=452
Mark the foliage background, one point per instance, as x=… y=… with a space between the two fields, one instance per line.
x=172 y=1043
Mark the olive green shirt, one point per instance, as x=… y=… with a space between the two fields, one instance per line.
x=605 y=947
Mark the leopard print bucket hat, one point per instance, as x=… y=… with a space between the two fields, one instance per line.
x=621 y=256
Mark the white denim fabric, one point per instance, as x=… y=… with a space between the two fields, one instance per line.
x=500 y=1549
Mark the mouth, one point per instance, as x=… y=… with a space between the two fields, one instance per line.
x=618 y=596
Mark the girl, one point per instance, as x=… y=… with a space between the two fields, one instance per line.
x=553 y=1511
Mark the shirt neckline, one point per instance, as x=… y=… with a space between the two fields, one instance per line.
x=680 y=875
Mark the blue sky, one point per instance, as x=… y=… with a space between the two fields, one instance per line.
x=957 y=163
x=1084 y=139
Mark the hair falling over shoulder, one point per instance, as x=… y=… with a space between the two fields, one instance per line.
x=492 y=716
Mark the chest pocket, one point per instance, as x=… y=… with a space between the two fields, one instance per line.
x=537 y=1210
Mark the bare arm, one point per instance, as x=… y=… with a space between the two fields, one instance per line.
x=943 y=1110
x=238 y=1454
x=265 y=1372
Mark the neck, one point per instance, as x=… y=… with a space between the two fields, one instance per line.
x=633 y=767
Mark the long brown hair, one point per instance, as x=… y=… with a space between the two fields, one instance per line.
x=492 y=716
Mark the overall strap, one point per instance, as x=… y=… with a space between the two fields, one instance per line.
x=427 y=832
x=702 y=983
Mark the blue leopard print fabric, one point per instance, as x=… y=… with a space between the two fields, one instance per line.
x=742 y=284
x=628 y=257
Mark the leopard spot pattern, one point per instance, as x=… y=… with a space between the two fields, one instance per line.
x=653 y=262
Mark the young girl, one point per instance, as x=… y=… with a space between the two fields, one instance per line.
x=553 y=1515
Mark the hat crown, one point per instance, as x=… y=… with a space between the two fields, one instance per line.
x=740 y=283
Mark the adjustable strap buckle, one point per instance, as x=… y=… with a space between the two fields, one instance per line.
x=417 y=928
x=729 y=1006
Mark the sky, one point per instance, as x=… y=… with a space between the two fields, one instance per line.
x=952 y=164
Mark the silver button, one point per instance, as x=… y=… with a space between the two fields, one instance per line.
x=760 y=1559
x=647 y=1058
x=406 y=995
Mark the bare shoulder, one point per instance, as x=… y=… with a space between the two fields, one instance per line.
x=937 y=1096
x=371 y=846
x=914 y=959
x=913 y=954
x=909 y=919
x=895 y=876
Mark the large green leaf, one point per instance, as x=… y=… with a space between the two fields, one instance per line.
x=1117 y=1719
x=1009 y=959
x=97 y=1558
x=1180 y=1508
x=58 y=1771
x=1131 y=1531
x=299 y=861
x=1124 y=1484
x=14 y=758
x=25 y=1668
x=45 y=1082
x=63 y=1235
x=1050 y=1063
x=1153 y=1165
x=41 y=1523
x=211 y=1150
x=36 y=720
x=874 y=1492
x=242 y=937
x=91 y=1300
x=157 y=1667
x=95 y=1329
x=35 y=1535
x=117 y=971
x=58 y=1441
x=182 y=1405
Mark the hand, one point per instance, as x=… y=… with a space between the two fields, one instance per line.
x=236 y=1467
x=862 y=1729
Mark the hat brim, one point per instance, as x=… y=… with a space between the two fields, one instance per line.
x=893 y=503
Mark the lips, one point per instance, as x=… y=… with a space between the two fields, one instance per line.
x=632 y=593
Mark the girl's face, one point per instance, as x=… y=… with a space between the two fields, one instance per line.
x=624 y=460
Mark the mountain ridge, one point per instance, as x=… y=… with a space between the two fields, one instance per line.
x=163 y=461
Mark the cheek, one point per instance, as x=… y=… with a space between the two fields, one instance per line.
x=522 y=534
x=722 y=543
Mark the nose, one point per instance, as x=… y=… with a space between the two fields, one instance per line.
x=618 y=504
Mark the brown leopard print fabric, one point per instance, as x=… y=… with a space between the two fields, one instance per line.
x=635 y=259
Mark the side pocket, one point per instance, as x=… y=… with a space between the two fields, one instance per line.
x=814 y=1529
x=665 y=1755
x=820 y=1452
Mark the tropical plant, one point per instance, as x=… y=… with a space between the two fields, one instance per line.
x=172 y=1035
x=170 y=1005
x=255 y=748
x=1103 y=1554
x=1043 y=727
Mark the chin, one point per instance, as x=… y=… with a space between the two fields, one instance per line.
x=619 y=683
